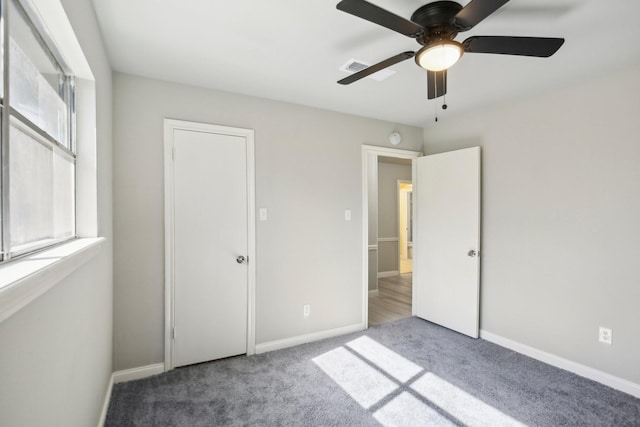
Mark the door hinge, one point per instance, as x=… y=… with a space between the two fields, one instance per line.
x=173 y=333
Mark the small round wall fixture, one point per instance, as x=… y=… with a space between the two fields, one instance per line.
x=395 y=138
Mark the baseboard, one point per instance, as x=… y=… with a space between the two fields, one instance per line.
x=387 y=274
x=566 y=364
x=138 y=373
x=373 y=293
x=303 y=339
x=105 y=405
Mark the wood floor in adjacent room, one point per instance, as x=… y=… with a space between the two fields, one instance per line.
x=393 y=301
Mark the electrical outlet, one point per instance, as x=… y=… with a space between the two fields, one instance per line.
x=605 y=335
x=306 y=310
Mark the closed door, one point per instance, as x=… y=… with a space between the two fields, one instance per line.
x=210 y=292
x=447 y=239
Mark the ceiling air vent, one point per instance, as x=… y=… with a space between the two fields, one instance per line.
x=353 y=66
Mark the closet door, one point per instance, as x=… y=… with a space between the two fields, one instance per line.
x=210 y=245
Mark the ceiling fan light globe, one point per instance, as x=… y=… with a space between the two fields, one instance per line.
x=439 y=56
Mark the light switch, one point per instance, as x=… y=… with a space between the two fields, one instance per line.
x=263 y=214
x=347 y=215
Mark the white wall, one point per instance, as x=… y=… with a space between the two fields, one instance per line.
x=308 y=171
x=56 y=353
x=561 y=218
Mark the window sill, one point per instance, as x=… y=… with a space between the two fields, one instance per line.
x=25 y=279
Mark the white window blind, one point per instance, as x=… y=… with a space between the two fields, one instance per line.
x=38 y=158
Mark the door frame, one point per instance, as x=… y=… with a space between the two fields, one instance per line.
x=385 y=152
x=170 y=125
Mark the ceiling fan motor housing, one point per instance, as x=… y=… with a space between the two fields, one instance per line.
x=438 y=19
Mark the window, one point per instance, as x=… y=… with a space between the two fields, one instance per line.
x=38 y=136
x=48 y=175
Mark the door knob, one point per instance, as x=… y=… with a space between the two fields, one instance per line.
x=472 y=253
x=241 y=260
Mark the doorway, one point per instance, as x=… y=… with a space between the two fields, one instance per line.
x=388 y=285
x=445 y=235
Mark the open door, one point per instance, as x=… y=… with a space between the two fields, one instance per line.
x=446 y=282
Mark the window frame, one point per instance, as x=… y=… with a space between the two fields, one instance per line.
x=9 y=116
x=26 y=278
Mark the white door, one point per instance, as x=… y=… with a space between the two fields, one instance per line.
x=447 y=239
x=210 y=234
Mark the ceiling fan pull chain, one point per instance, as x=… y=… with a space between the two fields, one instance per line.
x=435 y=109
x=435 y=82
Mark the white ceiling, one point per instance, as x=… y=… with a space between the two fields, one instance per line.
x=290 y=50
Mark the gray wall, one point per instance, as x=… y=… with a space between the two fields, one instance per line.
x=308 y=171
x=561 y=218
x=56 y=353
x=388 y=176
x=373 y=270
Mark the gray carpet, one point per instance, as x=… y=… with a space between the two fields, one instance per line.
x=409 y=372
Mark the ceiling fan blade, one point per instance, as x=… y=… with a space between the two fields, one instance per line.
x=436 y=84
x=377 y=15
x=476 y=11
x=526 y=46
x=377 y=67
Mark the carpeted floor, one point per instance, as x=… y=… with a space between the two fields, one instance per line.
x=405 y=373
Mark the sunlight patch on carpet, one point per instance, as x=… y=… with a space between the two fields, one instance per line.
x=406 y=410
x=386 y=359
x=362 y=382
x=374 y=374
x=459 y=403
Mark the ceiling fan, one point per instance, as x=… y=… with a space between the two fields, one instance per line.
x=434 y=26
